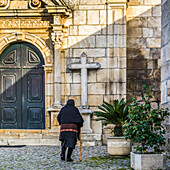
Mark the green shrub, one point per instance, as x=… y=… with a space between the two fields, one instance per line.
x=144 y=125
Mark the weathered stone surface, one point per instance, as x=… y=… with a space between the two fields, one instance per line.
x=136 y=42
x=89 y=30
x=79 y=17
x=140 y=22
x=153 y=42
x=142 y=161
x=135 y=32
x=154 y=22
x=93 y=17
x=152 y=2
x=96 y=88
x=118 y=146
x=147 y=32
x=156 y=11
x=136 y=11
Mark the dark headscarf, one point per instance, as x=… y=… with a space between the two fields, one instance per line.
x=70 y=114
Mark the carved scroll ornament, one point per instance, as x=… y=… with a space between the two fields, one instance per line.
x=34 y=4
x=4 y=4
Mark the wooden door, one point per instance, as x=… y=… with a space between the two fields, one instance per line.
x=22 y=94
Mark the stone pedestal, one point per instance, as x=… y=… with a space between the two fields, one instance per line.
x=53 y=113
x=86 y=114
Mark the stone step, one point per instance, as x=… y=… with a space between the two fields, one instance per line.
x=17 y=142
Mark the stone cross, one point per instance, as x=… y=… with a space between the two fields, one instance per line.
x=84 y=65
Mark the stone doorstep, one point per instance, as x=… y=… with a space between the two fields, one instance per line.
x=13 y=139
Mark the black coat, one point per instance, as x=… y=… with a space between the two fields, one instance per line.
x=70 y=114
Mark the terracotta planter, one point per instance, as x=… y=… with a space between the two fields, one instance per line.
x=148 y=161
x=118 y=146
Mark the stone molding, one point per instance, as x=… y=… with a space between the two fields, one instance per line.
x=31 y=38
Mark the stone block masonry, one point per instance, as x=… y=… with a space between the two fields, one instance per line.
x=143 y=48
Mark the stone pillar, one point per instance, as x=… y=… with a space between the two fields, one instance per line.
x=57 y=38
x=165 y=65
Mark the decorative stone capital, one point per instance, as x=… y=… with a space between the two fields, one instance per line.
x=57 y=38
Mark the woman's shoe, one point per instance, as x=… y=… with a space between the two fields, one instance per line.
x=62 y=157
x=69 y=160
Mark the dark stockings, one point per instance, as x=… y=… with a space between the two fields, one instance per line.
x=70 y=151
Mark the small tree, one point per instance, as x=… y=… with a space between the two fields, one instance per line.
x=144 y=125
x=113 y=114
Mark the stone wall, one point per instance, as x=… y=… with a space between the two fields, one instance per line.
x=99 y=30
x=165 y=61
x=143 y=47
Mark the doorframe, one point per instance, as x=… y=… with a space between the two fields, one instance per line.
x=48 y=67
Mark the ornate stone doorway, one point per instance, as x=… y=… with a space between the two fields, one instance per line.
x=22 y=90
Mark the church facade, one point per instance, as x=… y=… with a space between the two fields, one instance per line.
x=89 y=51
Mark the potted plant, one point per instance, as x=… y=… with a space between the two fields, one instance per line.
x=144 y=127
x=115 y=113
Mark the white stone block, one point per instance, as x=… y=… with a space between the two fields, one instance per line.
x=137 y=11
x=96 y=88
x=89 y=30
x=154 y=22
x=95 y=100
x=117 y=52
x=81 y=41
x=91 y=76
x=118 y=75
x=147 y=32
x=102 y=16
x=77 y=77
x=49 y=89
x=79 y=17
x=117 y=41
x=93 y=17
x=163 y=92
x=90 y=52
x=103 y=62
x=92 y=2
x=86 y=7
x=68 y=78
x=121 y=88
x=153 y=42
x=122 y=62
x=75 y=89
x=100 y=41
x=102 y=75
x=156 y=11
x=73 y=30
x=152 y=2
x=113 y=62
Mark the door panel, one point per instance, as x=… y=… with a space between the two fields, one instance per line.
x=33 y=91
x=22 y=94
x=10 y=98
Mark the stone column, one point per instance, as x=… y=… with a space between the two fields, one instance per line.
x=57 y=38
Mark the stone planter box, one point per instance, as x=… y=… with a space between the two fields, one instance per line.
x=118 y=146
x=147 y=161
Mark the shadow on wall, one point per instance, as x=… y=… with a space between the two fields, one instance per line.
x=106 y=44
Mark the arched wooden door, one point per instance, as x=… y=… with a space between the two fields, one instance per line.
x=22 y=93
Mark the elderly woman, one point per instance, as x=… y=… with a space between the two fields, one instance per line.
x=71 y=121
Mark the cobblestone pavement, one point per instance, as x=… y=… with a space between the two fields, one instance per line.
x=47 y=157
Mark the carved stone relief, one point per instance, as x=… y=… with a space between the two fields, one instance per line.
x=4 y=4
x=22 y=23
x=34 y=4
